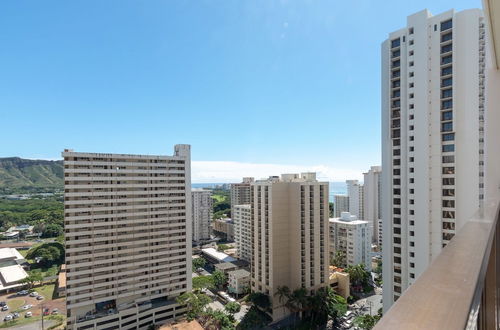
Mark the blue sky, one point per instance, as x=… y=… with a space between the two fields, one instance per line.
x=288 y=83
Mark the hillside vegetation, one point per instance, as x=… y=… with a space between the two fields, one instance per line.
x=18 y=175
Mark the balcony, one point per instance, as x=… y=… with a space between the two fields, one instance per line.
x=461 y=288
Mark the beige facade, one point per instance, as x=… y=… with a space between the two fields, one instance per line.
x=201 y=201
x=290 y=235
x=128 y=238
x=224 y=228
x=238 y=281
x=240 y=193
x=340 y=281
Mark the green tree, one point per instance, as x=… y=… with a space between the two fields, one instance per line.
x=260 y=300
x=283 y=293
x=194 y=302
x=366 y=321
x=358 y=275
x=232 y=308
x=223 y=247
x=203 y=282
x=52 y=230
x=219 y=279
x=339 y=259
x=199 y=263
x=330 y=208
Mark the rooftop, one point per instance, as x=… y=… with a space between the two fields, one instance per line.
x=225 y=265
x=240 y=273
x=221 y=256
x=9 y=253
x=12 y=274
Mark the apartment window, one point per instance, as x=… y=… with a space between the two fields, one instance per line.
x=396 y=211
x=397 y=240
x=447 y=236
x=412 y=180
x=411 y=85
x=411 y=42
x=395 y=43
x=448 y=170
x=412 y=95
x=446 y=82
x=396 y=93
x=412 y=169
x=396 y=73
x=448 y=137
x=411 y=117
x=446 y=48
x=411 y=74
x=397 y=250
x=448 y=148
x=410 y=30
x=448 y=203
x=435 y=27
x=396 y=103
x=411 y=138
x=412 y=244
x=412 y=275
x=448 y=181
x=397 y=201
x=412 y=201
x=446 y=25
x=396 y=171
x=446 y=37
x=397 y=260
x=447 y=127
x=412 y=233
x=396 y=64
x=411 y=53
x=412 y=106
x=447 y=115
x=449 y=225
x=449 y=214
x=411 y=63
x=396 y=221
x=446 y=59
x=412 y=212
x=396 y=53
x=396 y=181
x=412 y=191
x=448 y=159
x=412 y=148
x=447 y=104
x=396 y=152
x=412 y=127
x=449 y=192
x=396 y=162
x=396 y=133
x=412 y=159
x=446 y=71
x=396 y=83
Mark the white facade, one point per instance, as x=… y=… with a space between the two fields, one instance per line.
x=202 y=213
x=238 y=281
x=356 y=195
x=340 y=204
x=352 y=237
x=128 y=238
x=242 y=219
x=371 y=199
x=432 y=139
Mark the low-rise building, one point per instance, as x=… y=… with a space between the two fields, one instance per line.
x=11 y=270
x=61 y=281
x=340 y=281
x=224 y=228
x=242 y=218
x=225 y=267
x=352 y=237
x=238 y=281
x=215 y=257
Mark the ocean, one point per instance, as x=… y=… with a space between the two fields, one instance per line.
x=336 y=188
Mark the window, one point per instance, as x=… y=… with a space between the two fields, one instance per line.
x=412 y=159
x=396 y=73
x=396 y=192
x=412 y=243
x=411 y=52
x=412 y=169
x=446 y=71
x=449 y=159
x=411 y=85
x=396 y=162
x=446 y=37
x=448 y=170
x=412 y=95
x=448 y=203
x=412 y=275
x=412 y=212
x=397 y=240
x=412 y=223
x=449 y=192
x=448 y=225
x=412 y=63
x=397 y=260
x=410 y=30
x=412 y=138
x=447 y=115
x=447 y=236
x=411 y=117
x=396 y=221
x=448 y=181
x=412 y=127
x=435 y=27
x=396 y=181
x=446 y=59
x=396 y=53
x=396 y=83
x=412 y=191
x=396 y=93
x=446 y=82
x=446 y=48
x=412 y=233
x=397 y=201
x=448 y=137
x=397 y=250
x=447 y=127
x=395 y=43
x=412 y=148
x=397 y=289
x=396 y=152
x=411 y=42
x=412 y=106
x=412 y=265
x=448 y=104
x=396 y=64
x=448 y=148
x=412 y=180
x=397 y=211
x=446 y=25
x=411 y=74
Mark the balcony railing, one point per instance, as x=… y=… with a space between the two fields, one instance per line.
x=461 y=287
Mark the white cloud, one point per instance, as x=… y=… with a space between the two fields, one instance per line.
x=226 y=171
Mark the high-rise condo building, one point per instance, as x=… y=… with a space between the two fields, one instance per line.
x=242 y=219
x=240 y=193
x=352 y=237
x=202 y=214
x=340 y=204
x=356 y=195
x=371 y=199
x=290 y=236
x=432 y=139
x=128 y=238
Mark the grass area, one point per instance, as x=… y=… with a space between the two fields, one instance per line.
x=23 y=252
x=20 y=321
x=58 y=318
x=15 y=304
x=219 y=198
x=47 y=291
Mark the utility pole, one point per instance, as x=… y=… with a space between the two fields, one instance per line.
x=41 y=306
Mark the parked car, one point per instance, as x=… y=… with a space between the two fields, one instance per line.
x=46 y=312
x=7 y=318
x=5 y=308
x=40 y=297
x=55 y=311
x=15 y=315
x=2 y=303
x=28 y=314
x=34 y=294
x=25 y=307
x=22 y=293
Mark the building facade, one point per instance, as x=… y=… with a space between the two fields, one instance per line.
x=355 y=192
x=224 y=228
x=340 y=204
x=352 y=237
x=290 y=236
x=128 y=238
x=242 y=219
x=240 y=193
x=432 y=139
x=201 y=201
x=238 y=281
x=371 y=199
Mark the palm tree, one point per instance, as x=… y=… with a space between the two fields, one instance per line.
x=283 y=292
x=298 y=299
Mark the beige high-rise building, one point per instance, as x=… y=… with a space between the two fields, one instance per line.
x=371 y=199
x=202 y=214
x=290 y=236
x=242 y=219
x=341 y=204
x=240 y=193
x=128 y=238
x=355 y=191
